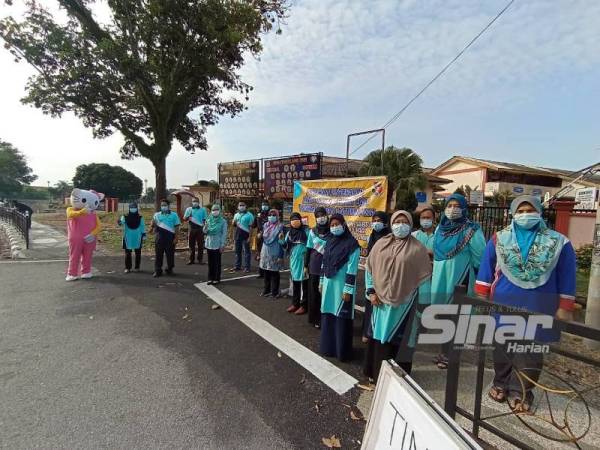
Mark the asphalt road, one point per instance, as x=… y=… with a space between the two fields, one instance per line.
x=128 y=361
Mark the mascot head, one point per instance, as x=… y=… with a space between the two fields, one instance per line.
x=81 y=198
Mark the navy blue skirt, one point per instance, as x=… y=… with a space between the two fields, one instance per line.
x=336 y=337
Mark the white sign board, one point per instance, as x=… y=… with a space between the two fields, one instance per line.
x=404 y=417
x=476 y=197
x=586 y=197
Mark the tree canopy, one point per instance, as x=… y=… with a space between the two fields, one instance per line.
x=404 y=170
x=14 y=171
x=113 y=181
x=156 y=71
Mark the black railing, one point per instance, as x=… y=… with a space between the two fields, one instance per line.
x=494 y=218
x=564 y=430
x=17 y=219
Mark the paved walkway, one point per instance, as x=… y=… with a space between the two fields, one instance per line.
x=45 y=242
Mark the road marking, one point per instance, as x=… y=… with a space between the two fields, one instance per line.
x=223 y=280
x=29 y=261
x=328 y=373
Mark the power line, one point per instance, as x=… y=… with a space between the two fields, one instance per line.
x=440 y=73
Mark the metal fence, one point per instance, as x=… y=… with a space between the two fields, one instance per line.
x=563 y=431
x=19 y=220
x=494 y=218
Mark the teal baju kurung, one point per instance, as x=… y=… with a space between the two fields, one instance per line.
x=132 y=237
x=296 y=257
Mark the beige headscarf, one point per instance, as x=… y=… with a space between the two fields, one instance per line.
x=398 y=266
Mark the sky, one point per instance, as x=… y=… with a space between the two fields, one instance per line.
x=528 y=91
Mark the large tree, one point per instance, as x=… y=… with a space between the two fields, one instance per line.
x=113 y=181
x=156 y=71
x=14 y=171
x=404 y=170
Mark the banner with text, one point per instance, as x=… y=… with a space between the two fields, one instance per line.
x=356 y=199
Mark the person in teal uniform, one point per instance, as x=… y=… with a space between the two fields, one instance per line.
x=338 y=285
x=397 y=265
x=380 y=225
x=165 y=224
x=261 y=218
x=295 y=244
x=271 y=254
x=315 y=246
x=215 y=232
x=243 y=221
x=458 y=245
x=195 y=215
x=134 y=233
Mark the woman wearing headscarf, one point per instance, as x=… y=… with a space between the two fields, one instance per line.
x=380 y=228
x=338 y=283
x=295 y=243
x=315 y=246
x=261 y=218
x=458 y=244
x=397 y=265
x=134 y=233
x=271 y=254
x=215 y=232
x=526 y=266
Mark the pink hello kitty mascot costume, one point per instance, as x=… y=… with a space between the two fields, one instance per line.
x=83 y=226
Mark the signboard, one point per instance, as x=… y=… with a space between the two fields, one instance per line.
x=421 y=196
x=518 y=189
x=356 y=199
x=281 y=173
x=404 y=417
x=586 y=197
x=476 y=197
x=238 y=179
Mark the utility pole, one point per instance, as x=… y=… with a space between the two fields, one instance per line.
x=592 y=310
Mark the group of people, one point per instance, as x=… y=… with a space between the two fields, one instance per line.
x=525 y=265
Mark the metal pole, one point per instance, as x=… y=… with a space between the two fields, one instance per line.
x=347 y=154
x=592 y=311
x=382 y=148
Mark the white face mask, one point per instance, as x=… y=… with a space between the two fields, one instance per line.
x=216 y=212
x=453 y=212
x=527 y=220
x=322 y=220
x=426 y=224
x=195 y=204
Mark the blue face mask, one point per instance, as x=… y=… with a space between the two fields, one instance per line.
x=164 y=208
x=527 y=220
x=132 y=210
x=337 y=230
x=401 y=230
x=195 y=205
x=265 y=207
x=272 y=219
x=426 y=224
x=378 y=226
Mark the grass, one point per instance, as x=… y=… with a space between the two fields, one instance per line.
x=582 y=282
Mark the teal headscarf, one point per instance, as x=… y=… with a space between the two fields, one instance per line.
x=451 y=236
x=527 y=257
x=214 y=223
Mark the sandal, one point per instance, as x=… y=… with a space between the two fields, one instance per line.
x=518 y=404
x=497 y=394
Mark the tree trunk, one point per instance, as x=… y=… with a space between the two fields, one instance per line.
x=160 y=173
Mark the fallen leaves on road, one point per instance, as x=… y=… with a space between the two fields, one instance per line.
x=215 y=307
x=303 y=379
x=110 y=271
x=279 y=354
x=366 y=387
x=317 y=405
x=91 y=317
x=332 y=442
x=355 y=416
x=186 y=316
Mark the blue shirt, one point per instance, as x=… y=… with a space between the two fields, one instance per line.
x=243 y=222
x=197 y=216
x=166 y=223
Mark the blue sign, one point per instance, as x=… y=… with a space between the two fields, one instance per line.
x=421 y=196
x=536 y=192
x=518 y=189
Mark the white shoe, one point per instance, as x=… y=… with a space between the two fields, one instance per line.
x=85 y=276
x=71 y=278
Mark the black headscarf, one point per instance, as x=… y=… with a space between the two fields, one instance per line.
x=338 y=248
x=376 y=235
x=133 y=219
x=297 y=235
x=321 y=230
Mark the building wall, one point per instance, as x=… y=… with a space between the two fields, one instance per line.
x=518 y=189
x=581 y=228
x=461 y=174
